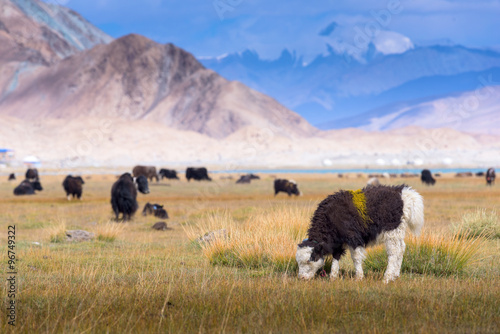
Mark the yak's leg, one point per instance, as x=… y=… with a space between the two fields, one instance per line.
x=69 y=197
x=334 y=274
x=358 y=256
x=395 y=246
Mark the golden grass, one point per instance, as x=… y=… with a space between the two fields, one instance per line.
x=57 y=232
x=108 y=231
x=151 y=281
x=268 y=239
x=479 y=223
x=433 y=254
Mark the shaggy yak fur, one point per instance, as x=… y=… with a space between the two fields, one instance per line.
x=155 y=209
x=427 y=178
x=73 y=186
x=12 y=177
x=490 y=176
x=197 y=174
x=27 y=187
x=169 y=174
x=124 y=195
x=356 y=219
x=289 y=187
x=148 y=171
x=32 y=174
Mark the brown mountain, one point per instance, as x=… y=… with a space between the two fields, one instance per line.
x=51 y=31
x=135 y=78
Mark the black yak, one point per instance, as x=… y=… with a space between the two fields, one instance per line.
x=289 y=187
x=168 y=174
x=197 y=174
x=73 y=186
x=356 y=219
x=12 y=177
x=247 y=178
x=427 y=178
x=155 y=209
x=148 y=171
x=124 y=195
x=32 y=174
x=28 y=187
x=490 y=176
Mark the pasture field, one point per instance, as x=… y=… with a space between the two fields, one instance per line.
x=148 y=281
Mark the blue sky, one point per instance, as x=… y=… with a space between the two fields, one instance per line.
x=216 y=27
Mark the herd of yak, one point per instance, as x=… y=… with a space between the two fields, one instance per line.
x=124 y=190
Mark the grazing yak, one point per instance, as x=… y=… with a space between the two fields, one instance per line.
x=27 y=187
x=32 y=174
x=356 y=219
x=148 y=171
x=169 y=174
x=124 y=195
x=12 y=177
x=155 y=209
x=247 y=178
x=73 y=186
x=197 y=174
x=490 y=176
x=289 y=187
x=427 y=178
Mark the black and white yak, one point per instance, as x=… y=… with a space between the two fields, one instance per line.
x=124 y=195
x=356 y=219
x=490 y=176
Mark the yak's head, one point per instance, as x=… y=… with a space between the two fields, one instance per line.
x=142 y=184
x=37 y=185
x=294 y=189
x=310 y=258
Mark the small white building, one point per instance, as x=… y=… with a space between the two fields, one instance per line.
x=32 y=161
x=6 y=156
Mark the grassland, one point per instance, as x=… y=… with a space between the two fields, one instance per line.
x=158 y=282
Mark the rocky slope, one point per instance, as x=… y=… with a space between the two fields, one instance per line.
x=135 y=78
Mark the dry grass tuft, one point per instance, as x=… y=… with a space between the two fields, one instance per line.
x=57 y=232
x=431 y=254
x=109 y=231
x=479 y=223
x=268 y=239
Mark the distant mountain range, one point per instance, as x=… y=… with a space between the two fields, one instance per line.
x=57 y=65
x=335 y=91
x=60 y=78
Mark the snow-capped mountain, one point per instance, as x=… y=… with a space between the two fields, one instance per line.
x=337 y=86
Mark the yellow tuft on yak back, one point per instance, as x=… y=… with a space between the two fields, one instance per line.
x=359 y=201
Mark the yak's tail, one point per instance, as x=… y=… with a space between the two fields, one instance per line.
x=413 y=209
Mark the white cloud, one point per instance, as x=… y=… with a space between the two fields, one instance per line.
x=390 y=42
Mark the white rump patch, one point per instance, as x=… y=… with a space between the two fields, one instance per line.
x=307 y=268
x=413 y=210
